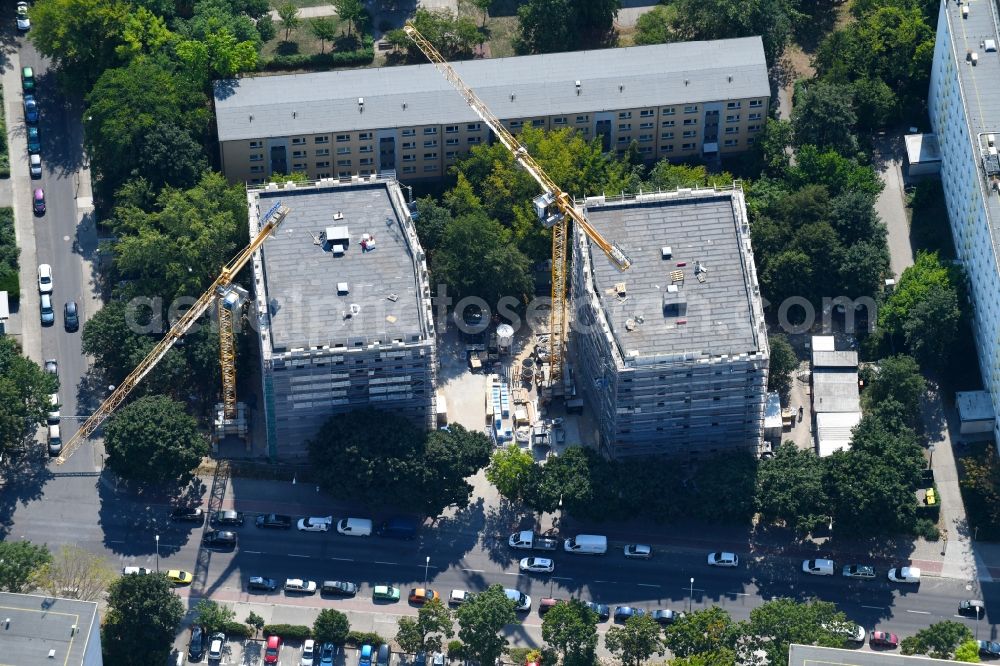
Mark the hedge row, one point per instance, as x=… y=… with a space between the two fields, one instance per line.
x=294 y=632
x=359 y=638
x=237 y=630
x=362 y=56
x=9 y=280
x=4 y=148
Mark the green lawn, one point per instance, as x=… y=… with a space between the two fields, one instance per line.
x=302 y=41
x=299 y=3
x=979 y=475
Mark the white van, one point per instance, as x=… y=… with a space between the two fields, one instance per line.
x=818 y=567
x=355 y=527
x=53 y=408
x=55 y=440
x=587 y=544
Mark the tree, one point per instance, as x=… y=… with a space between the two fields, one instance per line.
x=255 y=621
x=426 y=632
x=213 y=616
x=480 y=622
x=571 y=629
x=875 y=104
x=787 y=275
x=914 y=284
x=701 y=632
x=24 y=395
x=636 y=642
x=724 y=19
x=331 y=626
x=352 y=11
x=776 y=624
x=289 y=15
x=837 y=173
x=484 y=7
x=791 y=489
x=153 y=440
x=170 y=156
x=783 y=363
x=863 y=268
x=968 y=652
x=20 y=564
x=510 y=470
x=324 y=29
x=899 y=378
x=824 y=116
x=939 y=640
x=668 y=176
x=455 y=37
x=931 y=327
x=141 y=620
x=76 y=573
x=550 y=26
x=655 y=26
x=221 y=54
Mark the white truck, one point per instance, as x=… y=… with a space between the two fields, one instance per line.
x=528 y=540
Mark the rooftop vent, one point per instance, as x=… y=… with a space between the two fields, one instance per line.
x=730 y=78
x=666 y=252
x=361 y=105
x=512 y=96
x=989 y=45
x=578 y=86
x=621 y=88
x=295 y=114
x=342 y=288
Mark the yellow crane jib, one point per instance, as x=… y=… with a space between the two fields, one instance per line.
x=273 y=218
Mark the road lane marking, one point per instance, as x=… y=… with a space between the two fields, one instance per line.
x=740 y=594
x=342 y=559
x=919 y=612
x=251 y=552
x=296 y=555
x=612 y=582
x=475 y=570
x=511 y=573
x=875 y=607
x=696 y=589
x=392 y=564
x=647 y=585
x=566 y=578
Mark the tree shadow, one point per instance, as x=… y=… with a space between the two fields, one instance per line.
x=22 y=480
x=809 y=34
x=287 y=48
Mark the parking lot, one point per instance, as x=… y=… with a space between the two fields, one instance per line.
x=250 y=652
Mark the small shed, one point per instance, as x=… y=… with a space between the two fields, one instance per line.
x=833 y=431
x=923 y=154
x=823 y=343
x=772 y=418
x=975 y=413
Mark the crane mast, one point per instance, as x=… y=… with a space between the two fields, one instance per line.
x=274 y=217
x=553 y=197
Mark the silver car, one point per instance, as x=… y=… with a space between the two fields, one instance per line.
x=638 y=551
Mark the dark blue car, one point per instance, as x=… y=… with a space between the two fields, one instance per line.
x=30 y=109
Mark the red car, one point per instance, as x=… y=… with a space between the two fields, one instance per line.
x=272 y=650
x=884 y=639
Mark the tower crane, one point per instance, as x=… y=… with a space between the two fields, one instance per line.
x=553 y=206
x=219 y=289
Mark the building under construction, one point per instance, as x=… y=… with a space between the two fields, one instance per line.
x=343 y=309
x=671 y=355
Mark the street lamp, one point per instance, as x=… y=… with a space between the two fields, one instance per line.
x=690 y=595
x=157 y=537
x=427 y=564
x=930 y=463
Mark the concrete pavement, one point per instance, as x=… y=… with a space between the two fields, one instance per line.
x=891 y=203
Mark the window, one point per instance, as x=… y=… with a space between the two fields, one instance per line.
x=538 y=122
x=645 y=150
x=473 y=127
x=322 y=139
x=343 y=138
x=756 y=103
x=516 y=124
x=365 y=161
x=299 y=166
x=430 y=131
x=647 y=113
x=256 y=144
x=625 y=138
x=451 y=129
x=431 y=144
x=344 y=151
x=668 y=111
x=322 y=152
x=409 y=169
x=690 y=134
x=666 y=136
x=343 y=174
x=753 y=116
x=430 y=167
x=733 y=105
x=732 y=130
x=733 y=118
x=647 y=125
x=430 y=156
x=645 y=138
x=257 y=168
x=323 y=174
x=365 y=172
x=668 y=123
x=624 y=127
x=366 y=149
x=688 y=146
x=409 y=145
x=582 y=119
x=624 y=115
x=729 y=143
x=561 y=120
x=298 y=140
x=409 y=157
x=449 y=142
x=298 y=153
x=669 y=148
x=323 y=165
x=256 y=157
x=751 y=140
x=753 y=128
x=690 y=121
x=364 y=136
x=691 y=109
x=343 y=163
x=409 y=131
x=451 y=154
x=475 y=140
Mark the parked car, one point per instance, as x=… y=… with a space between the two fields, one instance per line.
x=545 y=605
x=459 y=597
x=53 y=416
x=722 y=559
x=973 y=607
x=196 y=644
x=140 y=571
x=859 y=571
x=603 y=610
x=178 y=577
x=234 y=518
x=262 y=583
x=326 y=654
x=664 y=616
x=300 y=586
x=216 y=646
x=421 y=595
x=989 y=648
x=30 y=109
x=219 y=539
x=638 y=551
x=537 y=565
x=623 y=613
x=818 y=567
x=272 y=650
x=521 y=600
x=52 y=366
x=44 y=279
x=38 y=201
x=385 y=592
x=47 y=312
x=883 y=639
x=905 y=575
x=315 y=524
x=188 y=514
x=27 y=79
x=23 y=22
x=274 y=521
x=383 y=655
x=71 y=318
x=365 y=655
x=308 y=653
x=34 y=141
x=339 y=588
x=35 y=166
